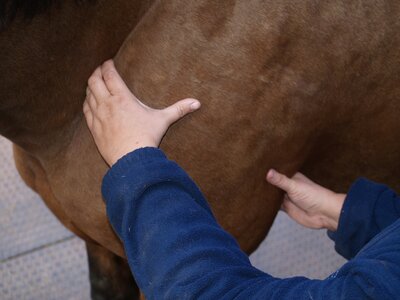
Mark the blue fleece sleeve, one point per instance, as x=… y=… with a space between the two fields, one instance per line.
x=177 y=250
x=368 y=209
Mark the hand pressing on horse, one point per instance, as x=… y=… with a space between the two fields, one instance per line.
x=119 y=122
x=308 y=203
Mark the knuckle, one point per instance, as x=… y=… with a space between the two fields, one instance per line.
x=92 y=80
x=109 y=74
x=279 y=179
x=290 y=185
x=92 y=102
x=285 y=183
x=108 y=64
x=180 y=110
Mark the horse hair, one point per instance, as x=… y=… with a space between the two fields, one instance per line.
x=28 y=9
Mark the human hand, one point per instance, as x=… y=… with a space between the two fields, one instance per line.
x=308 y=203
x=119 y=122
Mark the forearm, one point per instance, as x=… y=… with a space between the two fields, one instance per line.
x=171 y=238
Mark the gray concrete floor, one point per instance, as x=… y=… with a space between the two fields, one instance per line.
x=40 y=259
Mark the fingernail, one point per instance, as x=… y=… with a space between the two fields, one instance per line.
x=195 y=105
x=271 y=174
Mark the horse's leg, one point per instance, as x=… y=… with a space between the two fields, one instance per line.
x=110 y=276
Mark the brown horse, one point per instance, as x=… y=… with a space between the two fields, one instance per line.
x=303 y=85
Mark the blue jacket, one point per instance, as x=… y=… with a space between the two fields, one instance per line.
x=176 y=249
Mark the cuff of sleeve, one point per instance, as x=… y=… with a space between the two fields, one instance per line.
x=136 y=159
x=138 y=156
x=355 y=218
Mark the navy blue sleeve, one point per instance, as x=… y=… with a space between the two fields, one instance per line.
x=368 y=209
x=177 y=250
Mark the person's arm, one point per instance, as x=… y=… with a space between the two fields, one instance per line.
x=352 y=219
x=176 y=249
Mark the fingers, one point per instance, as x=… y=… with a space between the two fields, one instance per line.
x=113 y=80
x=97 y=85
x=279 y=180
x=181 y=108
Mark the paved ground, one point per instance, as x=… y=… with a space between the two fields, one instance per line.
x=40 y=259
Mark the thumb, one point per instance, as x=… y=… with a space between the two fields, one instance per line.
x=180 y=109
x=279 y=180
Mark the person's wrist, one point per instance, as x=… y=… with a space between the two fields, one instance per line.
x=332 y=210
x=112 y=159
